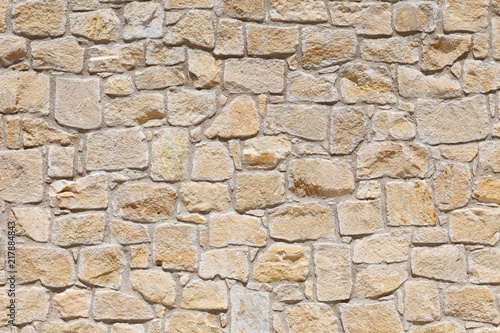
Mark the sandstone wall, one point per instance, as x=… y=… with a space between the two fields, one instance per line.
x=251 y=166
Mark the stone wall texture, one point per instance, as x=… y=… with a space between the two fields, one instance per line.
x=251 y=166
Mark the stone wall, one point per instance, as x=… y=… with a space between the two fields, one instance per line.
x=251 y=166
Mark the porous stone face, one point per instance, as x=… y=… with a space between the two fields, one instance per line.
x=383 y=248
x=113 y=305
x=250 y=310
x=378 y=280
x=239 y=119
x=230 y=40
x=359 y=217
x=33 y=305
x=304 y=121
x=314 y=316
x=85 y=193
x=117 y=149
x=204 y=69
x=442 y=50
x=304 y=87
x=24 y=92
x=320 y=177
x=394 y=49
x=39 y=18
x=298 y=11
x=472 y=303
x=393 y=125
x=100 y=25
x=102 y=266
x=486 y=189
x=301 y=222
x=51 y=266
x=117 y=58
x=489 y=156
x=13 y=49
x=212 y=162
x=195 y=28
x=409 y=203
x=348 y=125
x=412 y=83
x=282 y=261
x=372 y=317
x=413 y=17
x=421 y=301
x=32 y=222
x=259 y=190
x=21 y=176
x=481 y=77
x=368 y=19
x=452 y=185
x=271 y=40
x=64 y=54
x=333 y=272
x=37 y=132
x=159 y=78
x=366 y=83
x=134 y=110
x=205 y=295
x=192 y=321
x=484 y=266
x=445 y=326
x=322 y=47
x=446 y=262
x=60 y=161
x=266 y=152
x=205 y=197
x=175 y=247
x=154 y=286
x=475 y=226
x=80 y=325
x=79 y=229
x=250 y=10
x=128 y=232
x=392 y=159
x=256 y=76
x=144 y=202
x=169 y=154
x=434 y=118
x=142 y=20
x=77 y=103
x=73 y=303
x=226 y=263
x=467 y=15
x=235 y=229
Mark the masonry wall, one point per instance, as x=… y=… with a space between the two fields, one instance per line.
x=250 y=166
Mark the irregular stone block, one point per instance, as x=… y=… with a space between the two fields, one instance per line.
x=421 y=301
x=253 y=75
x=211 y=162
x=333 y=272
x=62 y=54
x=371 y=317
x=99 y=25
x=113 y=305
x=90 y=192
x=226 y=263
x=21 y=176
x=102 y=266
x=169 y=154
x=250 y=310
x=235 y=229
x=116 y=58
x=409 y=203
x=445 y=263
x=266 y=152
x=12 y=49
x=379 y=280
x=143 y=20
x=205 y=295
x=175 y=247
x=316 y=317
x=415 y=16
x=322 y=47
x=39 y=18
x=359 y=217
x=469 y=15
x=196 y=28
x=79 y=229
x=348 y=129
x=452 y=185
x=259 y=190
x=282 y=261
x=366 y=83
x=24 y=92
x=396 y=49
x=135 y=110
x=154 y=286
x=475 y=226
x=383 y=248
x=373 y=19
x=472 y=303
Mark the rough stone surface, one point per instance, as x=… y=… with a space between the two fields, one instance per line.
x=433 y=120
x=446 y=263
x=282 y=262
x=257 y=166
x=359 y=217
x=226 y=263
x=144 y=202
x=373 y=317
x=117 y=149
x=382 y=248
x=409 y=203
x=102 y=266
x=300 y=222
x=236 y=229
x=475 y=226
x=392 y=159
x=21 y=176
x=379 y=280
x=322 y=47
x=333 y=272
x=472 y=303
x=320 y=177
x=101 y=25
x=311 y=316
